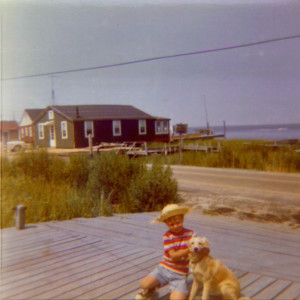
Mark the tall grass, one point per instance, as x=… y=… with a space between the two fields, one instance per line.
x=54 y=189
x=251 y=155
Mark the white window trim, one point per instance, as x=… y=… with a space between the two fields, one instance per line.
x=41 y=131
x=85 y=128
x=159 y=127
x=50 y=115
x=142 y=124
x=117 y=125
x=64 y=128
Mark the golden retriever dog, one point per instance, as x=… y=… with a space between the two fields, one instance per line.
x=211 y=274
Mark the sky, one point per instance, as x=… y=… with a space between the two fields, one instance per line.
x=65 y=44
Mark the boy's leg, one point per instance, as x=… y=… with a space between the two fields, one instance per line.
x=148 y=285
x=149 y=282
x=175 y=295
x=179 y=288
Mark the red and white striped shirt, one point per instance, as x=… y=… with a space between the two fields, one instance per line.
x=176 y=242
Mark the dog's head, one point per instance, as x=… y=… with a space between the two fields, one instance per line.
x=198 y=243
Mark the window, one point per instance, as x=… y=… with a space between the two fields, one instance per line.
x=88 y=128
x=30 y=131
x=64 y=130
x=161 y=127
x=41 y=131
x=142 y=127
x=26 y=131
x=50 y=115
x=117 y=128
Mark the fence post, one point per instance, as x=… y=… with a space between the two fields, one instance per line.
x=91 y=145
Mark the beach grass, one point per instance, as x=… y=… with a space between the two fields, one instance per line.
x=55 y=189
x=241 y=154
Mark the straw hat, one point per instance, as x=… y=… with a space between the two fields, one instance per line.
x=172 y=210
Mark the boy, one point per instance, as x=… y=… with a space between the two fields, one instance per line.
x=174 y=267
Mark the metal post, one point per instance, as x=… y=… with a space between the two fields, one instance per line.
x=20 y=216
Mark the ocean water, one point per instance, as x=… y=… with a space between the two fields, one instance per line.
x=273 y=132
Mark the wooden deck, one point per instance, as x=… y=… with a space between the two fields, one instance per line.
x=104 y=258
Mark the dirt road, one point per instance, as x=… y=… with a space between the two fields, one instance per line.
x=254 y=195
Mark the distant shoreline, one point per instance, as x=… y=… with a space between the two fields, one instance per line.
x=273 y=132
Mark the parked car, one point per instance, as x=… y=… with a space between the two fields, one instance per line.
x=15 y=146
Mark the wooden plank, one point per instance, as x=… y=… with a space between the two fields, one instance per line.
x=17 y=244
x=239 y=273
x=63 y=280
x=47 y=244
x=248 y=279
x=257 y=286
x=260 y=255
x=106 y=280
x=273 y=290
x=291 y=292
x=129 y=289
x=31 y=258
x=57 y=268
x=41 y=262
x=115 y=280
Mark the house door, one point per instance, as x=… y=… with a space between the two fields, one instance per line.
x=52 y=136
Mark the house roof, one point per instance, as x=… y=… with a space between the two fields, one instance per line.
x=8 y=125
x=100 y=112
x=33 y=113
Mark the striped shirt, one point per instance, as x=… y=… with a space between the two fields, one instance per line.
x=176 y=242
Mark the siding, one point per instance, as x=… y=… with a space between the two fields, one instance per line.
x=60 y=142
x=103 y=132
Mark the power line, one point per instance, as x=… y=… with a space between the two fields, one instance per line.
x=158 y=58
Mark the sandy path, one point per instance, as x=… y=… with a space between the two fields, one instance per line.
x=254 y=195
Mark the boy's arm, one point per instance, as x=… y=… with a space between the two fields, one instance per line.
x=177 y=255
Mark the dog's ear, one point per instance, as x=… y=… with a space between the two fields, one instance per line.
x=205 y=241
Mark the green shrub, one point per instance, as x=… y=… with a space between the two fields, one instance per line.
x=129 y=185
x=112 y=174
x=155 y=188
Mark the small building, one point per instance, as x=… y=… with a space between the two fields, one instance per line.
x=26 y=125
x=69 y=126
x=9 y=131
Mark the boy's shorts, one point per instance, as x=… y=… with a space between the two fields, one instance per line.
x=176 y=281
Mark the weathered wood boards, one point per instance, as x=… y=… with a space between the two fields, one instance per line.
x=105 y=258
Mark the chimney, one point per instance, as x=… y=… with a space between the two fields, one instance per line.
x=77 y=112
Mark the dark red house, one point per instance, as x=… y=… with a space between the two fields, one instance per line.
x=69 y=126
